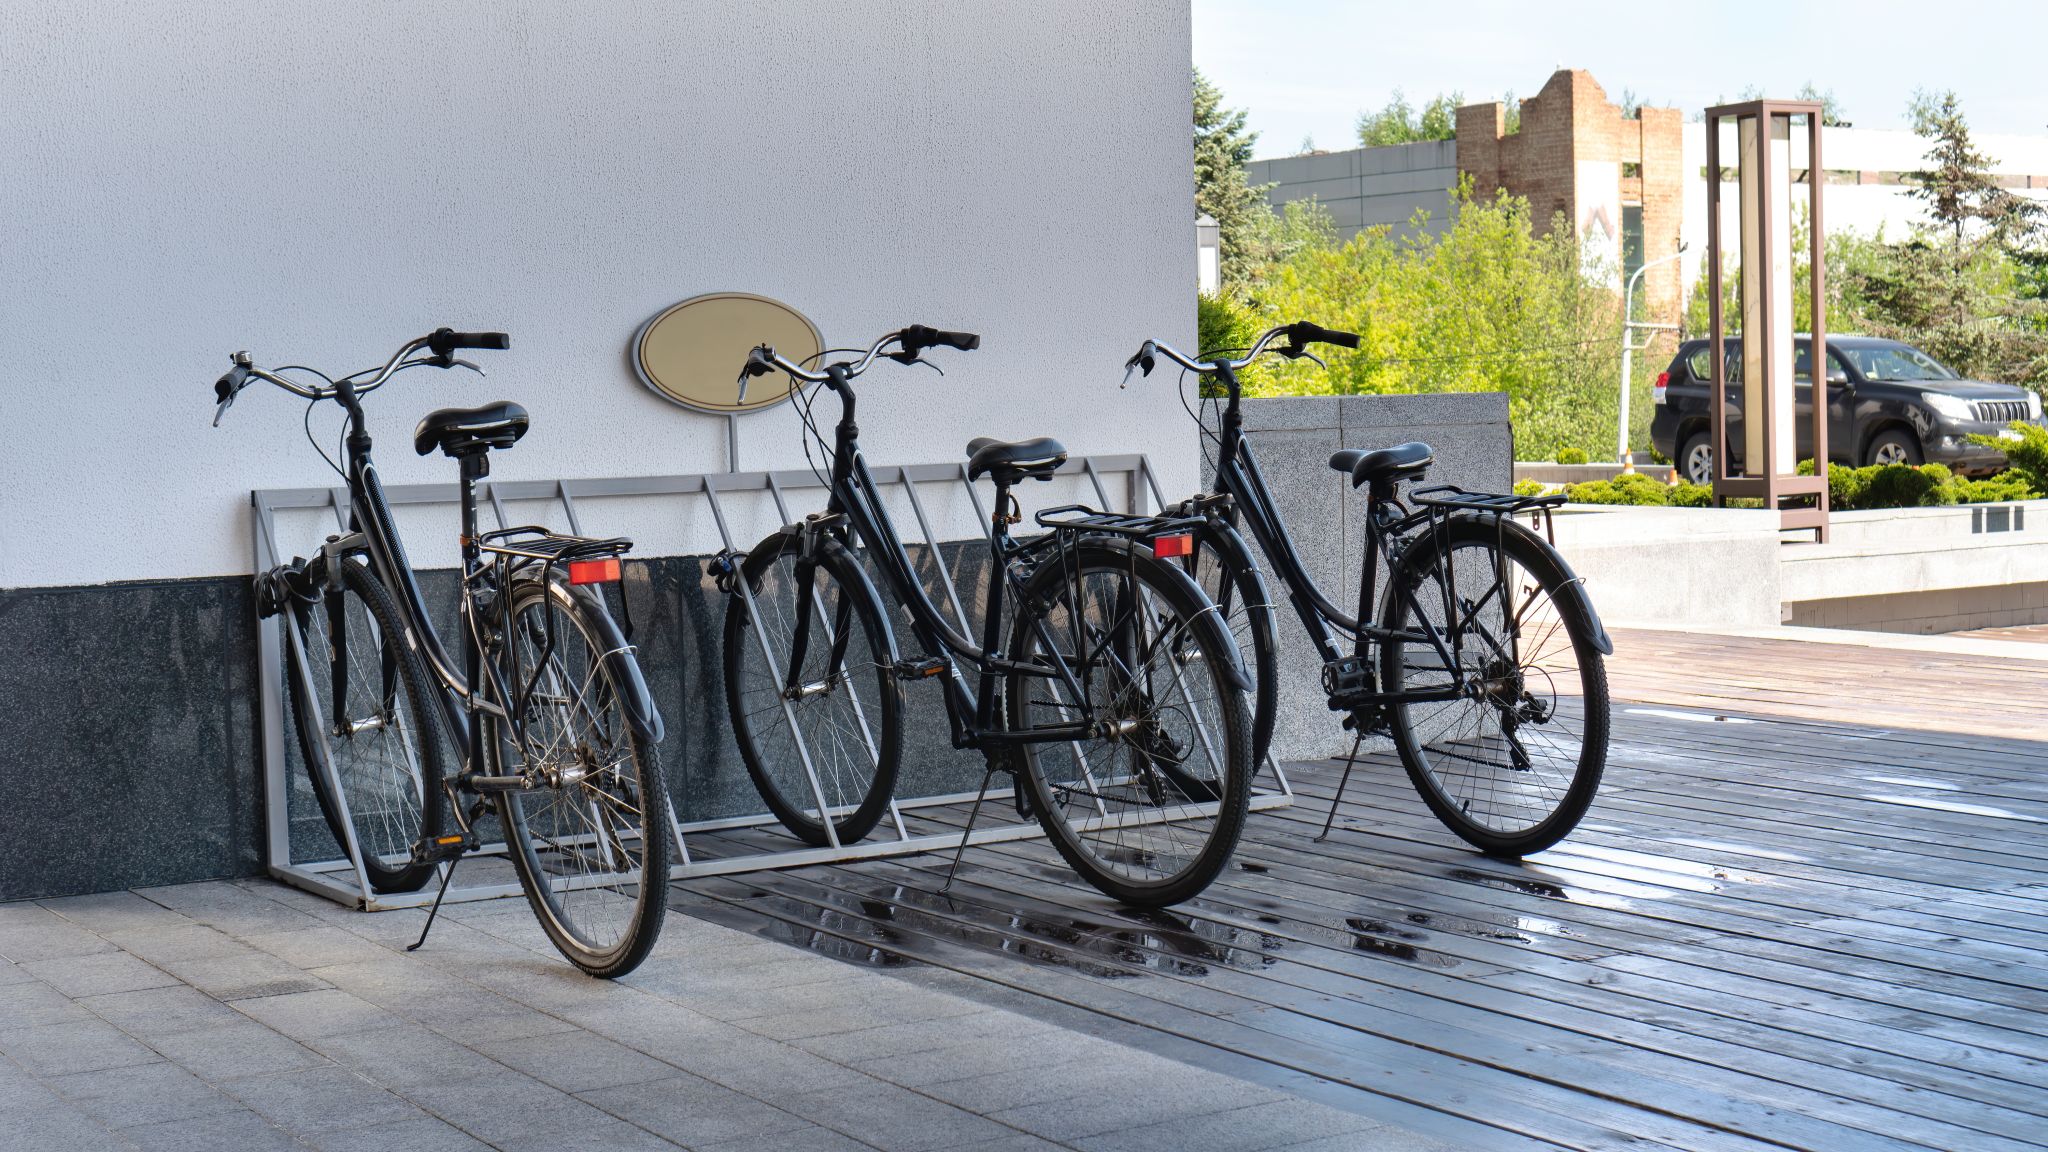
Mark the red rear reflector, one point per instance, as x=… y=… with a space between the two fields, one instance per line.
x=1167 y=546
x=603 y=571
x=1664 y=379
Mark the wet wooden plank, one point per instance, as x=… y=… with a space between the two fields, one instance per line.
x=1819 y=930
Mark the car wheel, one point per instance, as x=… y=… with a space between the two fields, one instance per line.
x=1894 y=446
x=1696 y=458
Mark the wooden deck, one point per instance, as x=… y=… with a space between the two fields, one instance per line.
x=1809 y=910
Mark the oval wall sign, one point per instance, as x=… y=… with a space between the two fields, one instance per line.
x=691 y=353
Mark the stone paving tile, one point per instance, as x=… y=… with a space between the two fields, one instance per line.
x=1021 y=1142
x=144 y=1094
x=759 y=1066
x=314 y=1100
x=576 y=1061
x=1132 y=1098
x=104 y=972
x=80 y=1046
x=607 y=1135
x=12 y=973
x=242 y=1131
x=890 y=1117
x=159 y=1011
x=426 y=1134
x=32 y=1002
x=410 y=1054
x=113 y=911
x=693 y=1111
x=1254 y=1129
x=54 y=1124
x=49 y=940
x=241 y=977
x=311 y=1015
x=812 y=1139
x=316 y=946
x=240 y=1047
x=230 y=908
x=509 y=1106
x=190 y=941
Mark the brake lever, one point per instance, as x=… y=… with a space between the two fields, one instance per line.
x=459 y=363
x=221 y=409
x=1312 y=356
x=1128 y=369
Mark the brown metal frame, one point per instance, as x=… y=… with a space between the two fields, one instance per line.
x=1771 y=486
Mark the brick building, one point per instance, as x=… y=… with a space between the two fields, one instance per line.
x=1619 y=182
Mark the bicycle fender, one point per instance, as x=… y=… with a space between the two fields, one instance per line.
x=1574 y=588
x=641 y=711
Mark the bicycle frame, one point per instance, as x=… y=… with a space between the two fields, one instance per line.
x=1238 y=475
x=971 y=711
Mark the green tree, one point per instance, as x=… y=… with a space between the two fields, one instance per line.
x=1223 y=146
x=1401 y=123
x=1485 y=304
x=1831 y=114
x=1958 y=184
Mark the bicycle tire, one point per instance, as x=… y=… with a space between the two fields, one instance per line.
x=856 y=746
x=1248 y=614
x=573 y=839
x=1489 y=786
x=389 y=821
x=1138 y=857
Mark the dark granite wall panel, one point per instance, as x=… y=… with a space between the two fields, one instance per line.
x=127 y=736
x=131 y=714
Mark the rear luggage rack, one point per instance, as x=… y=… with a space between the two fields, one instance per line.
x=1081 y=518
x=533 y=542
x=1452 y=496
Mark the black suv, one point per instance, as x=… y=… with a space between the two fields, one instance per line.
x=1888 y=403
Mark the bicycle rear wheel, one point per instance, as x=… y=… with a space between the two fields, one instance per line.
x=843 y=715
x=1513 y=761
x=370 y=715
x=1147 y=805
x=590 y=835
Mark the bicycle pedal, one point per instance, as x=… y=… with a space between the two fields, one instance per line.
x=923 y=669
x=449 y=847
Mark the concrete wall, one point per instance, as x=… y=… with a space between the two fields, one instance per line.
x=1293 y=438
x=1923 y=569
x=1367 y=187
x=1694 y=567
x=316 y=183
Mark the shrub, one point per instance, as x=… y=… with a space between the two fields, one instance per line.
x=1634 y=488
x=2027 y=456
x=1571 y=455
x=2007 y=485
x=1530 y=488
x=1904 y=486
x=1686 y=494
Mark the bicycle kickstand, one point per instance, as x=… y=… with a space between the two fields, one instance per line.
x=1350 y=762
x=436 y=909
x=973 y=815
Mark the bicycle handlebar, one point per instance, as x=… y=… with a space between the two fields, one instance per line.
x=910 y=341
x=442 y=343
x=1299 y=335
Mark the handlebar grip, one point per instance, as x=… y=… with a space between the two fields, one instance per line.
x=1303 y=332
x=918 y=337
x=760 y=362
x=446 y=340
x=1144 y=359
x=225 y=388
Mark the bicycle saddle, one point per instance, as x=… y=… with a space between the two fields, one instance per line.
x=463 y=431
x=1038 y=458
x=1399 y=462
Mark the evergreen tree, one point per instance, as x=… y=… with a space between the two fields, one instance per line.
x=1223 y=146
x=1958 y=185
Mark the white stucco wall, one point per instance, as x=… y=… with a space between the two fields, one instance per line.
x=317 y=182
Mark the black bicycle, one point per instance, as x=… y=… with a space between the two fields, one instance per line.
x=1484 y=663
x=1106 y=685
x=554 y=721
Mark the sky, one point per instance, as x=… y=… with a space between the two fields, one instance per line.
x=1306 y=68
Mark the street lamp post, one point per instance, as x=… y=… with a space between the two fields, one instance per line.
x=1629 y=348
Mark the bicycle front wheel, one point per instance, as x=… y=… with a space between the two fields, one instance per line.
x=589 y=834
x=1485 y=615
x=369 y=715
x=1146 y=794
x=811 y=689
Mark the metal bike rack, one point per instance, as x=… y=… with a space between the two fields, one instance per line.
x=344 y=879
